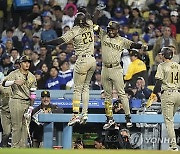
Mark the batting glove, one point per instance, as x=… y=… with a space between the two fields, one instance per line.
x=28 y=113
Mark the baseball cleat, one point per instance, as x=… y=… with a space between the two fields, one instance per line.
x=173 y=149
x=75 y=119
x=83 y=119
x=128 y=121
x=109 y=124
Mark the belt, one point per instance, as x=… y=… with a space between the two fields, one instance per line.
x=85 y=56
x=28 y=99
x=111 y=65
x=170 y=90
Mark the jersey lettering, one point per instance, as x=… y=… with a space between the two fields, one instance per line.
x=87 y=37
x=174 y=77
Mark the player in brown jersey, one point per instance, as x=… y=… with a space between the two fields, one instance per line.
x=22 y=83
x=82 y=36
x=168 y=82
x=112 y=73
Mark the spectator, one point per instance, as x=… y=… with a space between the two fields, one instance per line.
x=140 y=90
x=27 y=51
x=72 y=61
x=54 y=81
x=9 y=35
x=45 y=55
x=119 y=17
x=98 y=143
x=36 y=10
x=36 y=128
x=137 y=21
x=62 y=56
x=136 y=68
x=58 y=22
x=97 y=85
x=5 y=64
x=166 y=21
x=14 y=53
x=68 y=18
x=48 y=33
x=78 y=144
x=8 y=46
x=55 y=63
x=175 y=20
x=65 y=74
x=164 y=41
x=36 y=40
x=36 y=62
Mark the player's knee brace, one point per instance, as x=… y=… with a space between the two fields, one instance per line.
x=76 y=106
x=108 y=109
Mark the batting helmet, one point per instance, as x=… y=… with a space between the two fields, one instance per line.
x=25 y=59
x=167 y=52
x=113 y=25
x=80 y=20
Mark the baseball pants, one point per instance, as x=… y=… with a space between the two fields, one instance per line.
x=83 y=72
x=114 y=77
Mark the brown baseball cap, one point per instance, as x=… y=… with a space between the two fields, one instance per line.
x=45 y=93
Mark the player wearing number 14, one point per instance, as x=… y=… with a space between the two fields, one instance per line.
x=82 y=36
x=167 y=77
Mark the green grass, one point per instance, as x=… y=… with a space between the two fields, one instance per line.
x=83 y=151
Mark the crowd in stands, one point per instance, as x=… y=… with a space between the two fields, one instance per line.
x=152 y=22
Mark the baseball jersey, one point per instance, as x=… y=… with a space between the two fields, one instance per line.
x=169 y=74
x=23 y=91
x=83 y=39
x=112 y=48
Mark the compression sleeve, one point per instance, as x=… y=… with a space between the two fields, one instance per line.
x=55 y=42
x=157 y=87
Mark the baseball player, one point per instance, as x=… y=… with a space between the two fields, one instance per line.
x=168 y=79
x=23 y=84
x=83 y=39
x=5 y=112
x=112 y=73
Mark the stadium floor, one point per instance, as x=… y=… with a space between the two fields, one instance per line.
x=82 y=151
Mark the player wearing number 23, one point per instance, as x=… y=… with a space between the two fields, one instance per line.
x=82 y=36
x=167 y=76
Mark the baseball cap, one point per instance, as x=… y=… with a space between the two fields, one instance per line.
x=47 y=14
x=165 y=7
x=133 y=52
x=118 y=10
x=37 y=35
x=152 y=12
x=135 y=34
x=45 y=93
x=25 y=59
x=157 y=1
x=174 y=13
x=27 y=47
x=5 y=56
x=38 y=72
